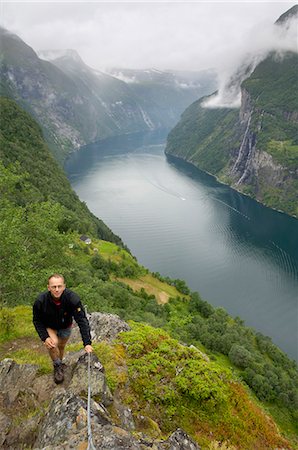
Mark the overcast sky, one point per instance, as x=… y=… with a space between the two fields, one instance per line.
x=163 y=35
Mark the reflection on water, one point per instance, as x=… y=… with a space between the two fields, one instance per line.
x=180 y=222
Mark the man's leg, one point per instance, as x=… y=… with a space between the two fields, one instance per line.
x=61 y=346
x=54 y=353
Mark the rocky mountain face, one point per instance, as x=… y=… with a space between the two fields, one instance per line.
x=254 y=148
x=76 y=105
x=266 y=163
x=60 y=413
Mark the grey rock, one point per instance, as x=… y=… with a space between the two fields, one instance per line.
x=103 y=327
x=43 y=387
x=64 y=424
x=66 y=416
x=13 y=378
x=23 y=435
x=98 y=385
x=252 y=165
x=4 y=427
x=125 y=416
x=179 y=440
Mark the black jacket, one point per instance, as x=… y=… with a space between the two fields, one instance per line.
x=47 y=315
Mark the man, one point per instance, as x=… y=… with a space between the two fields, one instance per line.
x=53 y=313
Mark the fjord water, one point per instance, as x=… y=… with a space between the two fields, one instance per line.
x=181 y=222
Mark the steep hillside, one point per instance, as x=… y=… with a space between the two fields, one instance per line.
x=76 y=105
x=205 y=136
x=35 y=193
x=253 y=149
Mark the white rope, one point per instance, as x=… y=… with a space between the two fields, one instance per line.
x=90 y=442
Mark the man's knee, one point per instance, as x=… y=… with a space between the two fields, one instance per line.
x=53 y=335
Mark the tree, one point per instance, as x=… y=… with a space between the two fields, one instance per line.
x=239 y=356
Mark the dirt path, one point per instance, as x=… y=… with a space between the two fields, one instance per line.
x=19 y=344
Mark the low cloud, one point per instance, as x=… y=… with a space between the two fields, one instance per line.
x=242 y=61
x=229 y=37
x=190 y=35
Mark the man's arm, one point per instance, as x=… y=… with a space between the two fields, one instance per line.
x=82 y=321
x=37 y=321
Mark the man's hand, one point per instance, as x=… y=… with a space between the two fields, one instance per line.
x=49 y=343
x=88 y=348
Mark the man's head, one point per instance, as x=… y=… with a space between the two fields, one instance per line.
x=56 y=285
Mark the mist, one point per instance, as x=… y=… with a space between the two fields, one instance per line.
x=229 y=37
x=260 y=42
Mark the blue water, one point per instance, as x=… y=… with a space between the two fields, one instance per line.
x=180 y=222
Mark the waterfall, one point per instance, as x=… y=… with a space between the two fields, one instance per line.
x=243 y=176
x=242 y=146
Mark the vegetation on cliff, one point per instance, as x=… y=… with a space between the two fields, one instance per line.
x=205 y=137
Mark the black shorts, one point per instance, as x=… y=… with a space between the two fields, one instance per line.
x=64 y=333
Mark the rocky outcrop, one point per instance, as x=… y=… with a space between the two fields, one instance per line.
x=104 y=327
x=37 y=414
x=16 y=377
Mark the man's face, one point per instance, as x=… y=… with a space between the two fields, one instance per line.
x=56 y=287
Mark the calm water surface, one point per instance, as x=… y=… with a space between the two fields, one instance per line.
x=180 y=222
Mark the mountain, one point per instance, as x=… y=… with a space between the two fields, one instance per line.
x=166 y=94
x=254 y=148
x=77 y=105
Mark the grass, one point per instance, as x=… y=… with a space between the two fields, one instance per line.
x=32 y=356
x=15 y=323
x=111 y=251
x=161 y=290
x=284 y=152
x=176 y=387
x=281 y=416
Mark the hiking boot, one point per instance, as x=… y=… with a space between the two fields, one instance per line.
x=58 y=373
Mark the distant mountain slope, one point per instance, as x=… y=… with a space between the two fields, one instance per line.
x=76 y=105
x=165 y=94
x=254 y=148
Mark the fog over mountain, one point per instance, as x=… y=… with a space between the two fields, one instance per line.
x=138 y=35
x=161 y=35
x=260 y=42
